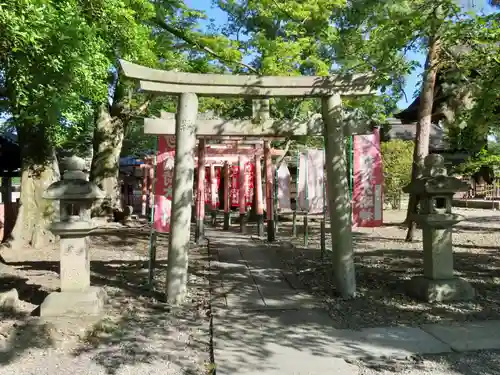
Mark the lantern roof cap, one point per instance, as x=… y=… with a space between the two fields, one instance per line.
x=74 y=185
x=434 y=180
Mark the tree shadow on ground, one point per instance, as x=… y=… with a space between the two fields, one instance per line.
x=29 y=292
x=25 y=333
x=381 y=277
x=148 y=330
x=123 y=237
x=138 y=328
x=253 y=337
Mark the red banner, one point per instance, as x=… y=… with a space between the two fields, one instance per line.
x=367 y=198
x=164 y=183
x=250 y=183
x=234 y=191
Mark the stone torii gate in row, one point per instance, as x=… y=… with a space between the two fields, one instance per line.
x=185 y=127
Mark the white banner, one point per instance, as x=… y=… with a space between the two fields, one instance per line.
x=283 y=176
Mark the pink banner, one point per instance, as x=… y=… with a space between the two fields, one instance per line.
x=164 y=183
x=284 y=178
x=310 y=189
x=315 y=181
x=368 y=181
x=235 y=186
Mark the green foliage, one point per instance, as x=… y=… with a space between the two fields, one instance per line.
x=51 y=60
x=484 y=158
x=59 y=63
x=56 y=59
x=469 y=51
x=397 y=158
x=296 y=38
x=476 y=71
x=469 y=138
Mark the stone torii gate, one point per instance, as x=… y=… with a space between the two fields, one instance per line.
x=185 y=127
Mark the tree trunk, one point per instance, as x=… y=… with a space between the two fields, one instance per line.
x=8 y=213
x=38 y=172
x=423 y=130
x=107 y=146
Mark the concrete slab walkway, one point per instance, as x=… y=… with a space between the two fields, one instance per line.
x=264 y=324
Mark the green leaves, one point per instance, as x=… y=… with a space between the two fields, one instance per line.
x=397 y=158
x=58 y=58
x=55 y=53
x=483 y=159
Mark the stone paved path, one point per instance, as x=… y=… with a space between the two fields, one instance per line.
x=263 y=323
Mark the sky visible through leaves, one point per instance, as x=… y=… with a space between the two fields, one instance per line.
x=413 y=81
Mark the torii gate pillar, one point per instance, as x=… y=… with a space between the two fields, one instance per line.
x=338 y=196
x=182 y=197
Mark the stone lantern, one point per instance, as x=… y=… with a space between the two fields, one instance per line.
x=435 y=190
x=76 y=196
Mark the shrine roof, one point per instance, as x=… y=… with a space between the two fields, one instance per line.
x=396 y=129
x=410 y=114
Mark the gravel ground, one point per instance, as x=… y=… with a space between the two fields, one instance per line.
x=139 y=333
x=142 y=335
x=473 y=363
x=384 y=262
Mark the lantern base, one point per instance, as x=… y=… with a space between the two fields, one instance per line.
x=74 y=304
x=430 y=290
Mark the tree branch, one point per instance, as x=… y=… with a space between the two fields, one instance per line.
x=452 y=58
x=285 y=151
x=144 y=106
x=199 y=45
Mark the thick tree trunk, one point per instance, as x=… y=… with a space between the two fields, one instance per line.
x=38 y=172
x=107 y=146
x=423 y=130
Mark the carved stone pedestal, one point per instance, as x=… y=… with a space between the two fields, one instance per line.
x=436 y=189
x=76 y=194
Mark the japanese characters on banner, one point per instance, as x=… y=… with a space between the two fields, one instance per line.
x=164 y=183
x=310 y=182
x=234 y=192
x=367 y=195
x=249 y=183
x=235 y=186
x=212 y=185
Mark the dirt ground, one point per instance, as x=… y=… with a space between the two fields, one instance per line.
x=137 y=326
x=384 y=261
